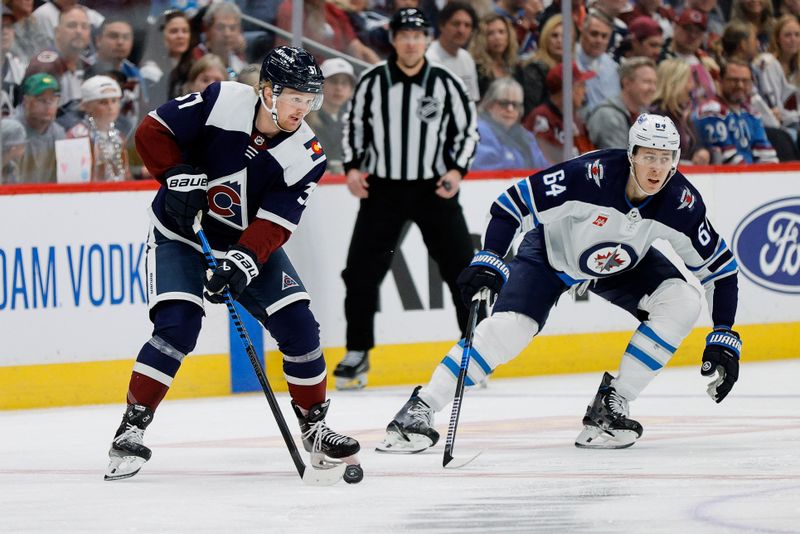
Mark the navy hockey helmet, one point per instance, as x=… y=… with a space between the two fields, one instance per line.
x=292 y=67
x=409 y=18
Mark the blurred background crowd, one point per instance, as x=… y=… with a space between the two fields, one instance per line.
x=726 y=72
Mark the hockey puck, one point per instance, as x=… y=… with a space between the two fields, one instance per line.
x=353 y=474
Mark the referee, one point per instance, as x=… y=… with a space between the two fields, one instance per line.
x=412 y=128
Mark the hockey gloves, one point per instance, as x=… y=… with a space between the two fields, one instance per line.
x=234 y=271
x=486 y=270
x=186 y=195
x=722 y=357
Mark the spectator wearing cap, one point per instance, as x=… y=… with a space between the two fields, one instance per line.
x=546 y=121
x=100 y=108
x=13 y=137
x=457 y=22
x=505 y=144
x=715 y=19
x=608 y=124
x=654 y=10
x=328 y=122
x=13 y=68
x=645 y=39
x=591 y=55
x=37 y=113
x=30 y=37
x=66 y=62
x=686 y=42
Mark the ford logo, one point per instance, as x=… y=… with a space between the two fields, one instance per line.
x=766 y=245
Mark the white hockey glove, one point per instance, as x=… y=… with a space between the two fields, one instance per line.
x=234 y=271
x=721 y=357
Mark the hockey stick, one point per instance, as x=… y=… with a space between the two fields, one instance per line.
x=313 y=477
x=479 y=299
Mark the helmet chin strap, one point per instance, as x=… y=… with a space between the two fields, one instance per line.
x=273 y=111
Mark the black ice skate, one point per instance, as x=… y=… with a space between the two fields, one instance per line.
x=606 y=424
x=323 y=443
x=351 y=373
x=411 y=430
x=127 y=453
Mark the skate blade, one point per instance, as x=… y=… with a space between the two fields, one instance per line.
x=453 y=462
x=328 y=476
x=395 y=443
x=350 y=384
x=592 y=437
x=120 y=467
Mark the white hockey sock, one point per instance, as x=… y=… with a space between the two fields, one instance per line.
x=497 y=340
x=646 y=354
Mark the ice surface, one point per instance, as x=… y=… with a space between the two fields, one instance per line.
x=219 y=465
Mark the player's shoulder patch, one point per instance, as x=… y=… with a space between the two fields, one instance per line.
x=233 y=106
x=298 y=154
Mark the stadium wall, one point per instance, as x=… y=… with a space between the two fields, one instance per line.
x=73 y=312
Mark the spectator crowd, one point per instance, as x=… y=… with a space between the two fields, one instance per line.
x=726 y=72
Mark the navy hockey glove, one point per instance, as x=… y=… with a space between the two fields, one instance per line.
x=486 y=270
x=722 y=357
x=186 y=195
x=234 y=271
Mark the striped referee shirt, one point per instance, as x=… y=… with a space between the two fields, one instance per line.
x=410 y=127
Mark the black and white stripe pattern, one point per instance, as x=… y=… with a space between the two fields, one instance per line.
x=405 y=128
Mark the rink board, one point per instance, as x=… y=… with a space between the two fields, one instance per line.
x=73 y=312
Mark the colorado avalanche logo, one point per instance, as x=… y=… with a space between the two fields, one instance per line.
x=594 y=171
x=227 y=199
x=687 y=199
x=606 y=259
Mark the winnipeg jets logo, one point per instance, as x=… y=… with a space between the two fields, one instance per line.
x=428 y=109
x=594 y=171
x=227 y=199
x=288 y=282
x=605 y=259
x=687 y=199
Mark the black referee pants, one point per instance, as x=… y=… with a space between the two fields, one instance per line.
x=380 y=221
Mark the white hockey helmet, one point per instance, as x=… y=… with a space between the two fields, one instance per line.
x=655 y=131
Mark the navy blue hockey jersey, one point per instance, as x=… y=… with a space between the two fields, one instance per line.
x=592 y=230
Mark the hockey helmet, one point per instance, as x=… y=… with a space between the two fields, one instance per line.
x=655 y=131
x=409 y=18
x=292 y=67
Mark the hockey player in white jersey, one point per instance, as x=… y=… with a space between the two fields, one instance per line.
x=589 y=224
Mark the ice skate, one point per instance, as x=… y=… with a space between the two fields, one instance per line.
x=351 y=373
x=127 y=453
x=411 y=430
x=327 y=448
x=606 y=424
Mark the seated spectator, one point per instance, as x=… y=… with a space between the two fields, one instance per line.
x=169 y=58
x=523 y=17
x=734 y=134
x=114 y=43
x=687 y=38
x=645 y=39
x=48 y=13
x=328 y=122
x=654 y=10
x=13 y=68
x=250 y=75
x=13 y=138
x=776 y=71
x=608 y=123
x=546 y=121
x=757 y=13
x=222 y=30
x=673 y=99
x=505 y=144
x=457 y=21
x=205 y=71
x=591 y=55
x=613 y=10
x=30 y=36
x=531 y=73
x=326 y=24
x=67 y=62
x=715 y=19
x=494 y=50
x=38 y=113
x=579 y=13
x=100 y=107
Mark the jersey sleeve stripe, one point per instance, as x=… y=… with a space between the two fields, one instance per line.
x=721 y=247
x=509 y=206
x=524 y=190
x=280 y=221
x=729 y=269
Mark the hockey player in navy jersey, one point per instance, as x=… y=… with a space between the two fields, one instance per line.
x=245 y=158
x=589 y=223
